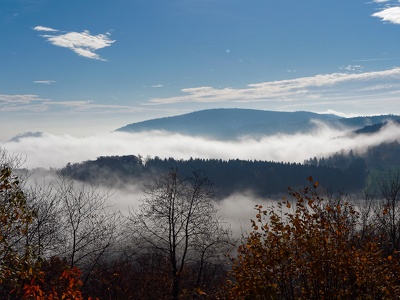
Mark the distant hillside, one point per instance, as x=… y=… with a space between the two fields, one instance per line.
x=360 y=122
x=24 y=135
x=233 y=123
x=374 y=128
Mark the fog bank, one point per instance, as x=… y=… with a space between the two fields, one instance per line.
x=51 y=151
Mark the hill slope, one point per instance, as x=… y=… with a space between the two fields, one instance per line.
x=232 y=123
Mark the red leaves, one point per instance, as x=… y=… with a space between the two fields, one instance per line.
x=67 y=286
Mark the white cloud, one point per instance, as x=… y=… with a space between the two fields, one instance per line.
x=44 y=81
x=351 y=68
x=35 y=103
x=12 y=103
x=313 y=89
x=391 y=14
x=42 y=28
x=90 y=106
x=18 y=99
x=82 y=43
x=380 y=1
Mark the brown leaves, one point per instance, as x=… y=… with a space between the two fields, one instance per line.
x=313 y=253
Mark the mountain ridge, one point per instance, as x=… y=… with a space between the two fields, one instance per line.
x=225 y=123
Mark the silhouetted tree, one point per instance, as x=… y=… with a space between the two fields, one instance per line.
x=178 y=220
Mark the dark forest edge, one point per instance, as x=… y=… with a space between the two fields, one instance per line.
x=347 y=172
x=263 y=178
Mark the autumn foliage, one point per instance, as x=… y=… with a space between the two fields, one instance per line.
x=66 y=286
x=304 y=247
x=23 y=275
x=310 y=248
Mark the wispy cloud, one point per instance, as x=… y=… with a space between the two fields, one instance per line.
x=35 y=103
x=82 y=43
x=12 y=103
x=314 y=90
x=91 y=106
x=154 y=86
x=375 y=59
x=390 y=14
x=42 y=28
x=45 y=81
x=19 y=99
x=351 y=68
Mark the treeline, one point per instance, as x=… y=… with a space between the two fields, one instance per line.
x=263 y=178
x=381 y=157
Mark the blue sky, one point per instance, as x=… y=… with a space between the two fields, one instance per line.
x=83 y=67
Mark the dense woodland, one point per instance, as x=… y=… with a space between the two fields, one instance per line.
x=61 y=240
x=379 y=157
x=263 y=178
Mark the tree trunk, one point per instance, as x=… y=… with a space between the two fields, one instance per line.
x=175 y=287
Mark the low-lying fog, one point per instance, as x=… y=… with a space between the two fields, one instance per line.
x=50 y=151
x=235 y=210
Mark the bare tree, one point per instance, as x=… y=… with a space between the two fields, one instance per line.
x=388 y=213
x=211 y=246
x=178 y=220
x=367 y=204
x=90 y=228
x=45 y=231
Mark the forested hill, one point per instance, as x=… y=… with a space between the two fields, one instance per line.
x=232 y=123
x=225 y=124
x=261 y=177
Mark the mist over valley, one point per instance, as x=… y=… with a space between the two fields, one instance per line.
x=262 y=154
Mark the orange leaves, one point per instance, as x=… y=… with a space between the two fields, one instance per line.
x=313 y=253
x=16 y=265
x=67 y=286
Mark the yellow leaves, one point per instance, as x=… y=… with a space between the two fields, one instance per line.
x=288 y=205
